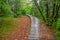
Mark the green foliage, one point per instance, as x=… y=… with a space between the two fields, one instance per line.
x=6 y=18
x=5 y=10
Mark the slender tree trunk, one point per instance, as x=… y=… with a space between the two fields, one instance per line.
x=35 y=2
x=53 y=13
x=47 y=13
x=57 y=10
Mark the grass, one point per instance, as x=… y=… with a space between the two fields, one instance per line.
x=6 y=25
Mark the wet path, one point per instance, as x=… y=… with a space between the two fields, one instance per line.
x=34 y=31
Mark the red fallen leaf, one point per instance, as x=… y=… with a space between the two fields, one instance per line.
x=15 y=39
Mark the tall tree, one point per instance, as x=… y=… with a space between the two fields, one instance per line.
x=35 y=2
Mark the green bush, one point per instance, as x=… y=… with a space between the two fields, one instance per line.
x=5 y=9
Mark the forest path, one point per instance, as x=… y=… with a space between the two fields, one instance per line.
x=24 y=29
x=34 y=30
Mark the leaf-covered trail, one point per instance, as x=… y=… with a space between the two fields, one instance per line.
x=23 y=30
x=45 y=32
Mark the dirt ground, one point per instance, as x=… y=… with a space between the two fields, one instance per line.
x=21 y=33
x=45 y=32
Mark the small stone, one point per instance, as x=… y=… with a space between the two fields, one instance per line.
x=25 y=37
x=16 y=39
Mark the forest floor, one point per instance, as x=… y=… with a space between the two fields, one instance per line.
x=45 y=32
x=21 y=33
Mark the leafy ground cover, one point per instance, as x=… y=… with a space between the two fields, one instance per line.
x=6 y=25
x=21 y=32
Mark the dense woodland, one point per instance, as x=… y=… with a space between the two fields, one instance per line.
x=46 y=10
